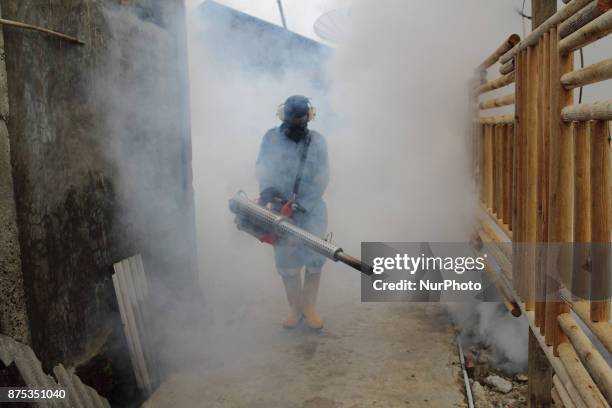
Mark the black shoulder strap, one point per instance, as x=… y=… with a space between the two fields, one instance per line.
x=298 y=177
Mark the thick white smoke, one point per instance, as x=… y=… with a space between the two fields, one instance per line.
x=396 y=119
x=401 y=90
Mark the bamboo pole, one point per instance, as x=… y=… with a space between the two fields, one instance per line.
x=497 y=102
x=532 y=175
x=488 y=169
x=602 y=330
x=596 y=365
x=497 y=120
x=562 y=392
x=601 y=198
x=524 y=191
x=494 y=168
x=25 y=26
x=499 y=165
x=522 y=164
x=504 y=174
x=476 y=134
x=551 y=303
x=508 y=43
x=482 y=162
x=552 y=22
x=593 y=31
x=502 y=170
x=587 y=14
x=564 y=398
x=496 y=83
x=543 y=181
x=588 y=111
x=573 y=393
x=507 y=68
x=495 y=248
x=556 y=400
x=490 y=229
x=519 y=185
x=597 y=72
x=485 y=161
x=507 y=299
x=560 y=193
x=518 y=86
x=508 y=136
x=582 y=210
x=502 y=158
x=566 y=179
x=580 y=377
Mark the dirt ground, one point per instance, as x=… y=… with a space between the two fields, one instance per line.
x=368 y=355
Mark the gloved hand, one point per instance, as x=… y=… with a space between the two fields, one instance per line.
x=298 y=208
x=272 y=195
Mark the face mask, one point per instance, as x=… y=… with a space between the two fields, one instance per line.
x=296 y=129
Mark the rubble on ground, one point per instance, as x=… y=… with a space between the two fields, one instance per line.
x=491 y=387
x=498 y=383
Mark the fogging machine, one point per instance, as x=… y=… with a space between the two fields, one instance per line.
x=263 y=224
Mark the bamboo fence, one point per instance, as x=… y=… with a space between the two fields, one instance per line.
x=543 y=175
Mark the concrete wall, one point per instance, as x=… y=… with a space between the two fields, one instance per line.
x=101 y=165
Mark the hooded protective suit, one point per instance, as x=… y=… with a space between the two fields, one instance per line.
x=277 y=166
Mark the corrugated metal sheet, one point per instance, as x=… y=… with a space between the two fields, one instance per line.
x=132 y=290
x=30 y=368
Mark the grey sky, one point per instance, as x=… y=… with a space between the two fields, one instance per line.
x=301 y=15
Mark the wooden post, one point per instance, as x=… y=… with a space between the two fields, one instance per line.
x=560 y=192
x=541 y=10
x=495 y=165
x=481 y=157
x=539 y=374
x=566 y=179
x=519 y=169
x=499 y=170
x=488 y=166
x=508 y=155
x=543 y=172
x=531 y=210
x=600 y=221
x=582 y=210
x=550 y=329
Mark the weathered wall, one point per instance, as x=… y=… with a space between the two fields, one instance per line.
x=101 y=162
x=13 y=317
